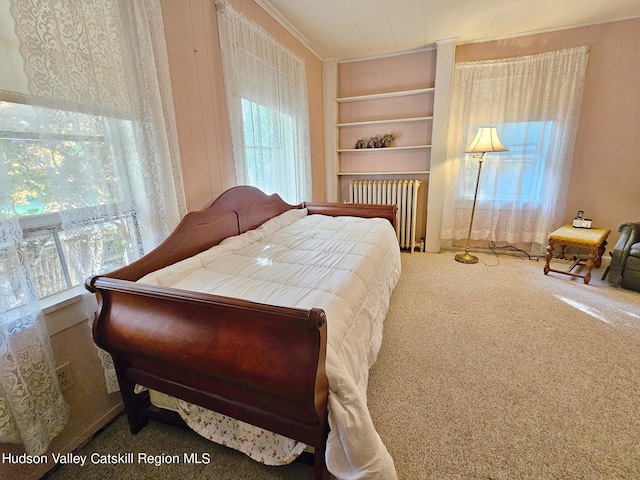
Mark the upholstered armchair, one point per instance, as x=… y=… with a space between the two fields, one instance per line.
x=625 y=258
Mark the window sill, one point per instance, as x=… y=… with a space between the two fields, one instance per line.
x=60 y=300
x=68 y=308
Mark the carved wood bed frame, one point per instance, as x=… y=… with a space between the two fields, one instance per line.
x=261 y=364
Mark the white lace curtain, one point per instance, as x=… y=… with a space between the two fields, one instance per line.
x=534 y=102
x=97 y=103
x=266 y=90
x=32 y=410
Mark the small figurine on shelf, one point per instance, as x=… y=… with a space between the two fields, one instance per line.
x=374 y=142
x=387 y=139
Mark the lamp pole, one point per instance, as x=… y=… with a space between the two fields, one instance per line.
x=466 y=257
x=486 y=140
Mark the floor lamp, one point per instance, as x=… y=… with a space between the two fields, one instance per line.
x=486 y=140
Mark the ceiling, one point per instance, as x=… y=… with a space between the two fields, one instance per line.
x=350 y=29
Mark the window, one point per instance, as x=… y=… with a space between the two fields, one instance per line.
x=269 y=141
x=516 y=175
x=534 y=103
x=266 y=89
x=58 y=165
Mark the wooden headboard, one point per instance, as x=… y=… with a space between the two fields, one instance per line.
x=234 y=212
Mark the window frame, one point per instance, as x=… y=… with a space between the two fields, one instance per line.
x=51 y=223
x=285 y=125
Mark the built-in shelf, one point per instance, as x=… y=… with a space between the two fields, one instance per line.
x=406 y=114
x=389 y=120
x=408 y=172
x=379 y=96
x=386 y=149
x=406 y=95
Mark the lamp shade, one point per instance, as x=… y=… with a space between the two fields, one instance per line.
x=486 y=140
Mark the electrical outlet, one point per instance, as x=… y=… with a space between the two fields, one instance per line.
x=65 y=376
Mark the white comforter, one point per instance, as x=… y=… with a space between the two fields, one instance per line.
x=345 y=265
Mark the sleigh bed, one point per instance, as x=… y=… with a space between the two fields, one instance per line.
x=257 y=314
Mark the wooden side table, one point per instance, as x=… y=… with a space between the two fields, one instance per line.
x=593 y=239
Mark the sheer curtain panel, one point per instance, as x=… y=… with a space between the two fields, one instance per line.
x=534 y=102
x=32 y=409
x=266 y=90
x=89 y=175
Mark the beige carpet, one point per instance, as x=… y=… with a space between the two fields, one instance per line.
x=487 y=371
x=501 y=372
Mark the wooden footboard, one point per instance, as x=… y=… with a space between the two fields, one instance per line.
x=257 y=363
x=260 y=364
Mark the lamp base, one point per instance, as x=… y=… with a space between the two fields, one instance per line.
x=466 y=258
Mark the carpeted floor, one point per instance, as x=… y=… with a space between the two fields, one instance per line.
x=502 y=372
x=487 y=371
x=198 y=458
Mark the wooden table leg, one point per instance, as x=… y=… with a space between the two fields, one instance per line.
x=591 y=261
x=562 y=248
x=601 y=250
x=548 y=256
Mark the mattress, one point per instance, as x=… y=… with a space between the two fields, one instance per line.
x=348 y=266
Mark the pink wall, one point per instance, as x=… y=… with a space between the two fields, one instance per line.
x=605 y=177
x=201 y=113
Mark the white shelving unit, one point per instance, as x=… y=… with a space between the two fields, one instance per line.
x=386 y=120
x=367 y=126
x=367 y=174
x=413 y=96
x=376 y=150
x=379 y=96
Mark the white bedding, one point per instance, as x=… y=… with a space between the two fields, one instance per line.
x=347 y=266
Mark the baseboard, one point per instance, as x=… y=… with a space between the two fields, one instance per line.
x=89 y=433
x=84 y=437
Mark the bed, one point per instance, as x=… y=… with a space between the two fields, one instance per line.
x=263 y=314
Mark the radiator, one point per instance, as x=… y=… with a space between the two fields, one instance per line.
x=403 y=193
